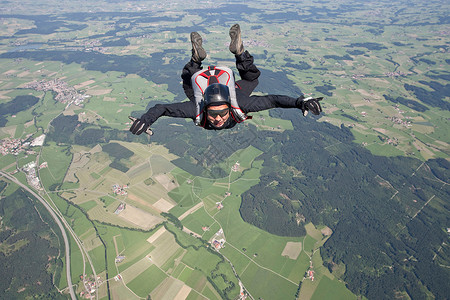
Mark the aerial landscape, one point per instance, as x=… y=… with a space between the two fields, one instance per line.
x=351 y=204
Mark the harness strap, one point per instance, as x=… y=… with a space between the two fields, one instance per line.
x=212 y=78
x=204 y=78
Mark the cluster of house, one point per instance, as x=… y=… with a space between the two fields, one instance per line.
x=243 y=293
x=235 y=167
x=358 y=76
x=14 y=146
x=400 y=121
x=310 y=272
x=64 y=92
x=218 y=244
x=94 y=46
x=392 y=141
x=120 y=190
x=310 y=275
x=395 y=74
x=90 y=287
x=219 y=205
x=218 y=241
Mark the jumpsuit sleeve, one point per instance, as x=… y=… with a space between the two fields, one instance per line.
x=258 y=103
x=176 y=110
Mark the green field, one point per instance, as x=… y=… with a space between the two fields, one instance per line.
x=147 y=281
x=253 y=252
x=362 y=59
x=260 y=247
x=331 y=289
x=197 y=220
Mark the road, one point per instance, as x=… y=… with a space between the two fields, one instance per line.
x=58 y=222
x=84 y=253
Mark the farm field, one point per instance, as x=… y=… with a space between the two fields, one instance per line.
x=163 y=252
x=168 y=207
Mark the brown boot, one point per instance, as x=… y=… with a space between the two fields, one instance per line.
x=198 y=53
x=236 y=45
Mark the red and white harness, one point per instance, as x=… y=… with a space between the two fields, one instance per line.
x=202 y=79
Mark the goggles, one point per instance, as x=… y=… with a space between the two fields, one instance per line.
x=214 y=113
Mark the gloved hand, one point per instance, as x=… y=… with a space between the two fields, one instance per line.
x=309 y=104
x=139 y=126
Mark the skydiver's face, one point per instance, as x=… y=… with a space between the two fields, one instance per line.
x=218 y=115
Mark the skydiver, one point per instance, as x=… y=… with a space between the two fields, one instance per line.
x=216 y=101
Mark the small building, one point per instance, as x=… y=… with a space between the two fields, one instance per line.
x=218 y=244
x=119 y=259
x=310 y=274
x=118 y=277
x=120 y=208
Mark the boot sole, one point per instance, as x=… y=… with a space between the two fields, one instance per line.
x=236 y=41
x=198 y=53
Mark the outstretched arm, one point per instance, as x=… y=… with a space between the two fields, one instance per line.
x=258 y=103
x=175 y=110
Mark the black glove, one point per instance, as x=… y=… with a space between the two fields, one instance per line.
x=139 y=126
x=309 y=104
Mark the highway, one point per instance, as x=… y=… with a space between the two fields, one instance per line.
x=58 y=222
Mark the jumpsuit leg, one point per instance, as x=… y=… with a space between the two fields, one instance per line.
x=189 y=69
x=248 y=71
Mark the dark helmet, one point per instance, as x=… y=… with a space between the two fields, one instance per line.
x=217 y=94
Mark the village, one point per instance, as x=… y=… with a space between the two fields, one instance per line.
x=90 y=286
x=13 y=146
x=400 y=121
x=64 y=92
x=16 y=146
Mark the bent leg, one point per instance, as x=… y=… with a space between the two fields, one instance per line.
x=190 y=69
x=248 y=71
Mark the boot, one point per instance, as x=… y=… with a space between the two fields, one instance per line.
x=236 y=45
x=198 y=53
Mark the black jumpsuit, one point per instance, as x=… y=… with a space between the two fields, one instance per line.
x=249 y=74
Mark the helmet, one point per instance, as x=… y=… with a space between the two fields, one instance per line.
x=217 y=94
